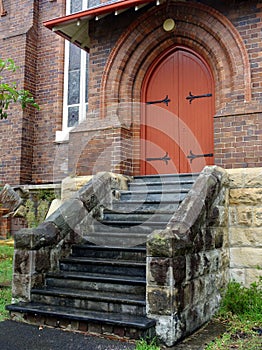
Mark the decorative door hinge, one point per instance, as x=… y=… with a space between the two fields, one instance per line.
x=193 y=156
x=165 y=159
x=166 y=100
x=191 y=97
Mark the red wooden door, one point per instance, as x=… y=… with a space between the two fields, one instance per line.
x=177 y=121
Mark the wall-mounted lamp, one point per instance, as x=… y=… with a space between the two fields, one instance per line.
x=169 y=25
x=78 y=22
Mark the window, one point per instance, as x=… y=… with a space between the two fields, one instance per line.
x=76 y=76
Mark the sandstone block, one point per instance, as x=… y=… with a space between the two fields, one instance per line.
x=68 y=216
x=159 y=301
x=241 y=216
x=70 y=185
x=237 y=275
x=245 y=177
x=246 y=257
x=245 y=237
x=23 y=262
x=159 y=270
x=258 y=217
x=252 y=275
x=249 y=196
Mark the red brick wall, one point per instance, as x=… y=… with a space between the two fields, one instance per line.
x=50 y=67
x=228 y=37
x=27 y=137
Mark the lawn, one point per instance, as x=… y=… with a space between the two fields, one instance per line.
x=6 y=258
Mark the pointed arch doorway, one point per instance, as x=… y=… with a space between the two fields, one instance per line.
x=177 y=117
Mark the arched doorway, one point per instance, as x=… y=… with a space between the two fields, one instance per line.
x=177 y=118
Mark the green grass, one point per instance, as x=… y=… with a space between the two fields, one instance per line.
x=6 y=258
x=241 y=311
x=145 y=345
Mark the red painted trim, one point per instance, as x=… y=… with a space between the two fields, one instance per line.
x=91 y=13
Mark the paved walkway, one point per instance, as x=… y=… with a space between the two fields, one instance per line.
x=22 y=336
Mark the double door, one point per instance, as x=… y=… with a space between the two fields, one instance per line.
x=177 y=117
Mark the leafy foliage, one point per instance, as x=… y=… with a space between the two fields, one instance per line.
x=147 y=345
x=243 y=301
x=6 y=270
x=241 y=311
x=9 y=92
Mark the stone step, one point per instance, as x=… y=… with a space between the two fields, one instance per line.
x=166 y=177
x=95 y=282
x=138 y=216
x=141 y=185
x=146 y=206
x=95 y=265
x=154 y=195
x=97 y=251
x=127 y=227
x=113 y=239
x=130 y=326
x=88 y=300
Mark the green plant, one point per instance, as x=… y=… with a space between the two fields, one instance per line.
x=6 y=270
x=147 y=345
x=5 y=298
x=243 y=301
x=241 y=311
x=9 y=92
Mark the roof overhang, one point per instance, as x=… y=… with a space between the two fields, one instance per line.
x=75 y=27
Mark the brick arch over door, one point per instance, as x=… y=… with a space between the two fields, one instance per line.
x=198 y=27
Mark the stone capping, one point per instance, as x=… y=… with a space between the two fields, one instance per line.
x=187 y=262
x=38 y=250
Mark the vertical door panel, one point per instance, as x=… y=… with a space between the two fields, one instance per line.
x=195 y=115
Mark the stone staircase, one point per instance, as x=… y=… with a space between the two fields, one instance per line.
x=101 y=286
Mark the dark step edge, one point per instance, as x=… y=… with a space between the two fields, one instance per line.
x=96 y=317
x=139 y=212
x=147 y=202
x=119 y=298
x=180 y=190
x=101 y=247
x=134 y=222
x=163 y=184
x=166 y=175
x=101 y=261
x=97 y=278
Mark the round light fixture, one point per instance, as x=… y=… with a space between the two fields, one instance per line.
x=169 y=25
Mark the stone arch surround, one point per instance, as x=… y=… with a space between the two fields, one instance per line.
x=199 y=27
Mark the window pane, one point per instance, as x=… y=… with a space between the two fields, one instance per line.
x=92 y=3
x=73 y=116
x=73 y=87
x=76 y=6
x=74 y=57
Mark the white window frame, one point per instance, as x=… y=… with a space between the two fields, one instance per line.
x=63 y=135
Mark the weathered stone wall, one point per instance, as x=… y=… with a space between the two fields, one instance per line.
x=187 y=263
x=38 y=250
x=245 y=224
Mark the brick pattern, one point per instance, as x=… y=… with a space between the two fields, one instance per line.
x=238 y=141
x=28 y=155
x=217 y=40
x=226 y=35
x=5 y=227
